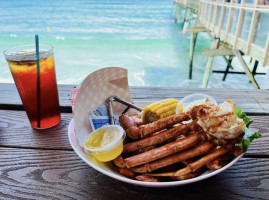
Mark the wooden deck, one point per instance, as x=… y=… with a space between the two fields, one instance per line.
x=42 y=165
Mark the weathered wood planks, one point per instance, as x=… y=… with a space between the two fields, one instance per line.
x=42 y=164
x=252 y=101
x=10 y=99
x=50 y=174
x=15 y=131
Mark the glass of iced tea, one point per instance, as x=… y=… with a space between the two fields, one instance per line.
x=39 y=97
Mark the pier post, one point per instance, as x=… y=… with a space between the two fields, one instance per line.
x=185 y=16
x=248 y=72
x=229 y=61
x=214 y=46
x=178 y=10
x=207 y=71
x=255 y=67
x=192 y=47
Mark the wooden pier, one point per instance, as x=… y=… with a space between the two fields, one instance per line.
x=235 y=29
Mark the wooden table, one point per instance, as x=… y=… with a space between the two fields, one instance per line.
x=42 y=165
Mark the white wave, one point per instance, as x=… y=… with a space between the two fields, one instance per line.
x=137 y=56
x=139 y=76
x=125 y=20
x=6 y=80
x=60 y=38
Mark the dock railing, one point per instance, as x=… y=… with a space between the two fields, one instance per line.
x=242 y=25
x=236 y=28
x=193 y=4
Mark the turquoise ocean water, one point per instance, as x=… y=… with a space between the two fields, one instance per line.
x=140 y=36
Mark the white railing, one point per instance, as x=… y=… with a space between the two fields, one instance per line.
x=242 y=25
x=193 y=4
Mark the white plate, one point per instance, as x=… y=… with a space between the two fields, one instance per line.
x=107 y=168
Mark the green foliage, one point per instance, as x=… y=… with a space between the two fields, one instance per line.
x=249 y=135
x=248 y=138
x=242 y=115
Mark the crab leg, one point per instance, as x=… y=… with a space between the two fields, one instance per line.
x=119 y=162
x=177 y=157
x=163 y=151
x=189 y=175
x=139 y=151
x=220 y=161
x=146 y=130
x=237 y=151
x=146 y=178
x=199 y=163
x=156 y=138
x=208 y=158
x=204 y=160
x=126 y=172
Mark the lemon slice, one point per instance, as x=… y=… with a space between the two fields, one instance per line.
x=179 y=108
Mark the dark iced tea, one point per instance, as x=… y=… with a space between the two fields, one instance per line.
x=24 y=72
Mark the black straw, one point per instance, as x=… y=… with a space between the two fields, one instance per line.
x=38 y=80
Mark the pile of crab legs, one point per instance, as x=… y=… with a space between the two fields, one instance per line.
x=168 y=141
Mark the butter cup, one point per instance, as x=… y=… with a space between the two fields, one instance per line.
x=116 y=146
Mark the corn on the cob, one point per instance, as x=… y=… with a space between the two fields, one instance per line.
x=158 y=110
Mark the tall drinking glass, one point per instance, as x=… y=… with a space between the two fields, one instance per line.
x=39 y=97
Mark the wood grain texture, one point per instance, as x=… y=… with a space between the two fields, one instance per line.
x=252 y=101
x=260 y=146
x=9 y=94
x=255 y=101
x=15 y=131
x=10 y=99
x=48 y=174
